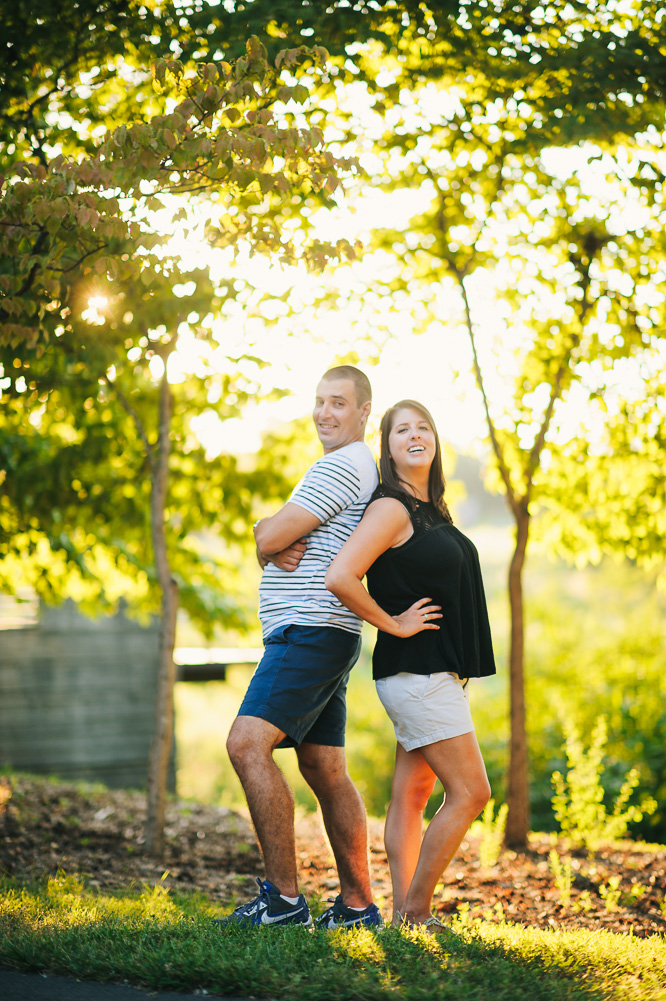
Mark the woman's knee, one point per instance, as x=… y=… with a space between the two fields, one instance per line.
x=478 y=796
x=413 y=795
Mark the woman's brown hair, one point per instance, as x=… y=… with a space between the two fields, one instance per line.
x=389 y=478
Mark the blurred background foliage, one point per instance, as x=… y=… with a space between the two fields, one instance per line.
x=465 y=103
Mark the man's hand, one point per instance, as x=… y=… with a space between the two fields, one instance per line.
x=283 y=529
x=288 y=558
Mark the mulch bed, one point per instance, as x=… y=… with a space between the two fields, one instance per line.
x=79 y=829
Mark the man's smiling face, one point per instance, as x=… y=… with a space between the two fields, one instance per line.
x=337 y=416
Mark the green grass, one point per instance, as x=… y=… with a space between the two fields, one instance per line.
x=153 y=939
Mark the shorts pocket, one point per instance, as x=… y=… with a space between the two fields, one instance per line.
x=400 y=690
x=420 y=685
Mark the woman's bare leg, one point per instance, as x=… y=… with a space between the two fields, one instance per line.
x=458 y=764
x=413 y=782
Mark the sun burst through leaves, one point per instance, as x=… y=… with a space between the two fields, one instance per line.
x=96 y=311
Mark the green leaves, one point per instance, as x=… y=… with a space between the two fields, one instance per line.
x=578 y=802
x=222 y=137
x=91 y=317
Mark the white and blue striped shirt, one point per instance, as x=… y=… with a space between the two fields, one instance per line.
x=336 y=489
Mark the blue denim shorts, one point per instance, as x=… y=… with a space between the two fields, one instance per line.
x=300 y=684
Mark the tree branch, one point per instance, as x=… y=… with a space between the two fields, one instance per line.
x=79 y=261
x=138 y=423
x=39 y=244
x=460 y=275
x=556 y=388
x=492 y=431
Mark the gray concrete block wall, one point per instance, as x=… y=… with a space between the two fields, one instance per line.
x=77 y=697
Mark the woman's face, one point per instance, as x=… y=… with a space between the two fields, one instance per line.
x=412 y=443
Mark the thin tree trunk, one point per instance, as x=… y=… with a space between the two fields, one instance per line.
x=518 y=817
x=162 y=743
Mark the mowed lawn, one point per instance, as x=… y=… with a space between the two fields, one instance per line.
x=156 y=939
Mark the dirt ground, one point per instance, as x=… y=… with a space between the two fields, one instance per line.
x=98 y=833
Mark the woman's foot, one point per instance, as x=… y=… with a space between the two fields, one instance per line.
x=429 y=922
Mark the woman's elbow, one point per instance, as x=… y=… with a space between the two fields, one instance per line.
x=334 y=580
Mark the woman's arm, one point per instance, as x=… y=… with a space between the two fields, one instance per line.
x=384 y=524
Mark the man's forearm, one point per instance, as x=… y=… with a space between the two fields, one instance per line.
x=283 y=529
x=261 y=559
x=287 y=558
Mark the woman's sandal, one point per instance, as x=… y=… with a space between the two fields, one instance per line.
x=431 y=923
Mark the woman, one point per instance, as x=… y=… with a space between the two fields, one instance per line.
x=407 y=544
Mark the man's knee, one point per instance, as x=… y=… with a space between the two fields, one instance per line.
x=323 y=768
x=250 y=740
x=237 y=746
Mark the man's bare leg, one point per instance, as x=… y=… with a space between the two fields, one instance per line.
x=325 y=770
x=250 y=744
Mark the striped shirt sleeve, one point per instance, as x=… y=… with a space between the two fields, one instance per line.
x=329 y=486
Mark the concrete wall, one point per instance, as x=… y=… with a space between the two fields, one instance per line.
x=77 y=697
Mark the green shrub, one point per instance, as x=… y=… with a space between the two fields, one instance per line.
x=490 y=830
x=611 y=893
x=578 y=802
x=563 y=876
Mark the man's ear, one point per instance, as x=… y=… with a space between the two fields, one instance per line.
x=365 y=409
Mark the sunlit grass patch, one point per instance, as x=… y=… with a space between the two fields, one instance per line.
x=63 y=901
x=364 y=946
x=149 y=937
x=620 y=965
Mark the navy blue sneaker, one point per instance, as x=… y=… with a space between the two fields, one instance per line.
x=268 y=909
x=339 y=916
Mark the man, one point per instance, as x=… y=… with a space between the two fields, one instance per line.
x=297 y=695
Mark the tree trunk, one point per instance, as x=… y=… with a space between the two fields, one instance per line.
x=518 y=818
x=162 y=742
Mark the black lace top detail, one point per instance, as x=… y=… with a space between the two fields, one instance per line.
x=424 y=515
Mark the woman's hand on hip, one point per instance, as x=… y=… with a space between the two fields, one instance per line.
x=417 y=617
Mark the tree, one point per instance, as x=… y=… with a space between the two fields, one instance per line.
x=505 y=83
x=556 y=309
x=609 y=492
x=74 y=225
x=469 y=100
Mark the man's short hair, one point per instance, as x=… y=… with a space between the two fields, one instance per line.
x=361 y=382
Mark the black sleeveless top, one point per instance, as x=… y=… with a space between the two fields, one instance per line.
x=439 y=562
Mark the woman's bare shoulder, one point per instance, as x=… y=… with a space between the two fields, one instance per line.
x=387 y=507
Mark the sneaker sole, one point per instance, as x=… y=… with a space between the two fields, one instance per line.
x=222 y=923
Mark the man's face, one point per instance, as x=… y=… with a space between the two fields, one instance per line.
x=337 y=416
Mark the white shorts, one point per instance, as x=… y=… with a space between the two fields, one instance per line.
x=425 y=708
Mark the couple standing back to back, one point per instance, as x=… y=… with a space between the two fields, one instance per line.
x=337 y=525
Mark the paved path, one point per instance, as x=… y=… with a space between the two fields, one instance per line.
x=44 y=987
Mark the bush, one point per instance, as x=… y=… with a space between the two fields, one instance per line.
x=490 y=830
x=578 y=802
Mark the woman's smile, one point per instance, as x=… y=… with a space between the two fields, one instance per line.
x=411 y=442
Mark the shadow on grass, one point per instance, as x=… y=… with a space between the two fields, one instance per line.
x=148 y=939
